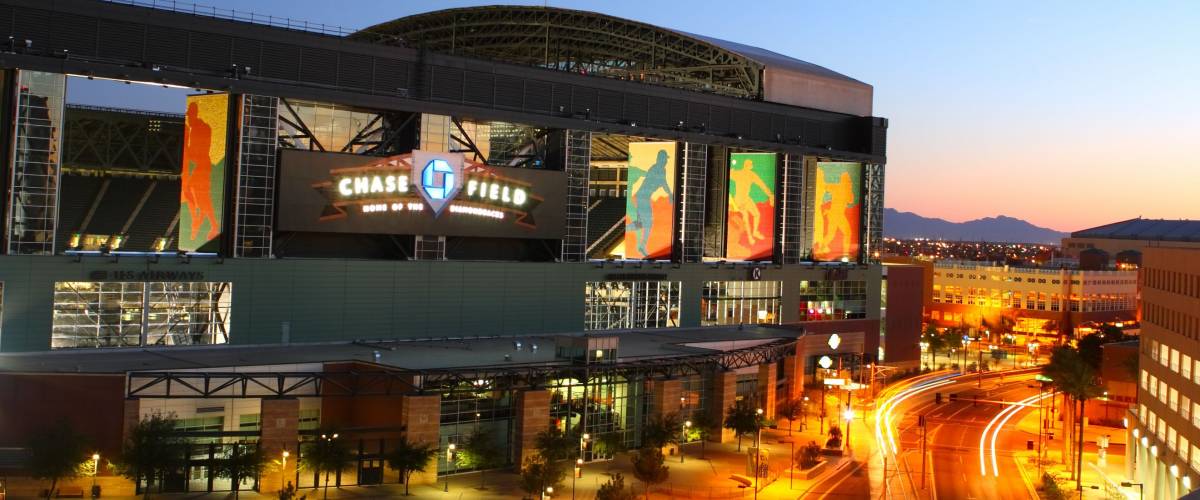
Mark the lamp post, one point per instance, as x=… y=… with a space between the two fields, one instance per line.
x=451 y=457
x=578 y=472
x=757 y=448
x=683 y=437
x=95 y=471
x=548 y=492
x=804 y=414
x=1128 y=484
x=583 y=442
x=283 y=468
x=849 y=416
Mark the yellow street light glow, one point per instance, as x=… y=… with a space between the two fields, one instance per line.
x=95 y=456
x=286 y=454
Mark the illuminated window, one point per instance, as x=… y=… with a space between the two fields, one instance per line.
x=737 y=302
x=613 y=305
x=1174 y=400
x=129 y=314
x=1171 y=438
x=1185 y=407
x=1145 y=377
x=828 y=300
x=1174 y=360
x=1186 y=367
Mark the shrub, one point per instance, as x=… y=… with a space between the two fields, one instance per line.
x=809 y=455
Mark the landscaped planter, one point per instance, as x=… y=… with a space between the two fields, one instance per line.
x=813 y=471
x=832 y=452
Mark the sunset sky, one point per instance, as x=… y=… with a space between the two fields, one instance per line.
x=1066 y=114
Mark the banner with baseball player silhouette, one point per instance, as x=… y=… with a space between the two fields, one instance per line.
x=837 y=211
x=202 y=177
x=750 y=216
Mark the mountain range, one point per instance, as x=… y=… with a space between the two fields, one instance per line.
x=1004 y=229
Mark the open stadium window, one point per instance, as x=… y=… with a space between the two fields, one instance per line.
x=122 y=164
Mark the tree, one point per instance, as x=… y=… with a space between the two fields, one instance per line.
x=742 y=419
x=614 y=489
x=703 y=426
x=326 y=454
x=835 y=437
x=648 y=467
x=661 y=430
x=244 y=460
x=1091 y=350
x=809 y=455
x=952 y=339
x=538 y=473
x=934 y=342
x=55 y=453
x=789 y=408
x=481 y=452
x=554 y=445
x=151 y=450
x=1074 y=376
x=409 y=457
x=608 y=444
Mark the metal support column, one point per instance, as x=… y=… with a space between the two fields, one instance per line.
x=691 y=208
x=255 y=193
x=578 y=162
x=791 y=214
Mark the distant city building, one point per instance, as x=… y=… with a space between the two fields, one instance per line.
x=1028 y=300
x=1124 y=241
x=1164 y=438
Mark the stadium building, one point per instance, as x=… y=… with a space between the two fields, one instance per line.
x=479 y=221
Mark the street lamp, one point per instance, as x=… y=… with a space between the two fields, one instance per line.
x=583 y=442
x=283 y=468
x=548 y=493
x=849 y=416
x=1128 y=484
x=757 y=448
x=578 y=472
x=95 y=470
x=683 y=437
x=451 y=457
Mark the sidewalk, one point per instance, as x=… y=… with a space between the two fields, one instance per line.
x=1099 y=482
x=696 y=477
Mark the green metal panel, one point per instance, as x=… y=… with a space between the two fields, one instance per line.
x=329 y=300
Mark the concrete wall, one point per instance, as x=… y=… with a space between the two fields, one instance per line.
x=329 y=299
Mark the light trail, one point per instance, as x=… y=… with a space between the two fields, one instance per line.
x=883 y=414
x=994 y=427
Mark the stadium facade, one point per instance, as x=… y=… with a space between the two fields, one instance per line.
x=491 y=220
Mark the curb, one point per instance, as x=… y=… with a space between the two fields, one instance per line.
x=1025 y=477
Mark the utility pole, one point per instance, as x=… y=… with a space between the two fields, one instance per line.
x=924 y=430
x=979 y=367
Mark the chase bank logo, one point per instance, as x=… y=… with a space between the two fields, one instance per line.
x=439 y=177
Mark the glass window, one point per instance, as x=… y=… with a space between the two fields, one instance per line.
x=1174 y=360
x=1185 y=366
x=737 y=302
x=613 y=305
x=323 y=126
x=842 y=299
x=129 y=314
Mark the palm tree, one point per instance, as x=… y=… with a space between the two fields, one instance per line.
x=408 y=457
x=1074 y=376
x=325 y=455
